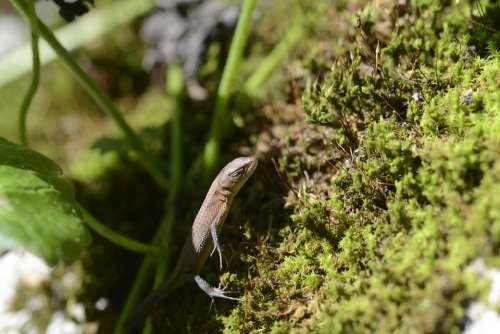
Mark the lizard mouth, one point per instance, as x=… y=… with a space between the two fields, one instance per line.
x=251 y=165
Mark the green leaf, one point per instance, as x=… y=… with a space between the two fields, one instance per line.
x=37 y=207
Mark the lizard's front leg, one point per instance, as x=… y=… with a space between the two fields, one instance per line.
x=213 y=232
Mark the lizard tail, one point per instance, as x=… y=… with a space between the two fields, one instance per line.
x=149 y=303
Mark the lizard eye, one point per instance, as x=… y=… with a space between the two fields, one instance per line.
x=237 y=173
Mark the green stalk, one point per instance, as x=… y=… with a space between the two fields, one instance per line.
x=175 y=86
x=102 y=100
x=221 y=116
x=104 y=19
x=163 y=233
x=175 y=90
x=272 y=60
x=136 y=292
x=35 y=77
x=117 y=238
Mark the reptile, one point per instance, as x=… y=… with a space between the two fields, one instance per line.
x=202 y=241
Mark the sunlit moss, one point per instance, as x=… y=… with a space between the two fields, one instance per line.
x=392 y=206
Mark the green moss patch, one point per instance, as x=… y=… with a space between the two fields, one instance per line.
x=394 y=174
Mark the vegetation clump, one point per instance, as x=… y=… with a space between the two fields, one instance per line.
x=393 y=173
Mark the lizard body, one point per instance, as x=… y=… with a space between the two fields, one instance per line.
x=202 y=240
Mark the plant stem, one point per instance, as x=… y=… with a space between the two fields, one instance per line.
x=220 y=117
x=163 y=235
x=103 y=101
x=117 y=238
x=273 y=59
x=175 y=90
x=35 y=77
x=137 y=289
x=88 y=28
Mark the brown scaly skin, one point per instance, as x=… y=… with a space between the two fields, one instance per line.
x=202 y=241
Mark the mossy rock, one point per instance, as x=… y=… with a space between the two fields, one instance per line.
x=393 y=174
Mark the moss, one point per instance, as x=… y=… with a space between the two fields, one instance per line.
x=392 y=179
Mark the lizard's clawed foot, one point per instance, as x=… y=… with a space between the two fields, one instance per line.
x=211 y=291
x=221 y=293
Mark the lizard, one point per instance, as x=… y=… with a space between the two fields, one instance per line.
x=202 y=241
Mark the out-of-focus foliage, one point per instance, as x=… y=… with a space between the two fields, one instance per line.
x=37 y=210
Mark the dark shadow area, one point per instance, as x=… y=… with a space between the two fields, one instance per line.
x=126 y=200
x=485 y=28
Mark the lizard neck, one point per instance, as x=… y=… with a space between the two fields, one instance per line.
x=224 y=195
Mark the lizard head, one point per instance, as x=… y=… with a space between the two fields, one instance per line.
x=237 y=172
